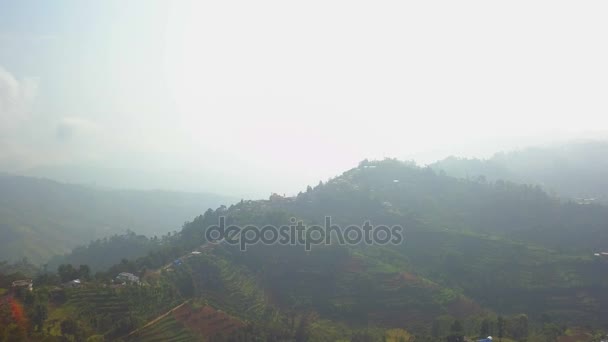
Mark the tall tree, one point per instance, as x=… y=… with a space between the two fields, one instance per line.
x=518 y=327
x=484 y=330
x=501 y=328
x=456 y=332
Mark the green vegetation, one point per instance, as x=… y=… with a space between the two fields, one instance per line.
x=574 y=170
x=167 y=329
x=40 y=218
x=104 y=253
x=480 y=259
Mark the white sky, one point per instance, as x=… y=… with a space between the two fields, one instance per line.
x=250 y=97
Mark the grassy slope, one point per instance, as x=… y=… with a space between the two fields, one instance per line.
x=39 y=218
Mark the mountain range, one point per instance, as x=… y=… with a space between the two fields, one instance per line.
x=481 y=256
x=40 y=218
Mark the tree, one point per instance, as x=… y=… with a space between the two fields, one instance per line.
x=39 y=315
x=69 y=327
x=484 y=330
x=435 y=329
x=456 y=332
x=518 y=327
x=398 y=335
x=67 y=272
x=362 y=336
x=11 y=329
x=84 y=272
x=457 y=328
x=302 y=332
x=551 y=332
x=501 y=328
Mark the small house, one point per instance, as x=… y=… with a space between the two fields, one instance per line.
x=126 y=277
x=72 y=284
x=23 y=284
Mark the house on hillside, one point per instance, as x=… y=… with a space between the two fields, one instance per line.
x=72 y=284
x=585 y=201
x=25 y=284
x=126 y=277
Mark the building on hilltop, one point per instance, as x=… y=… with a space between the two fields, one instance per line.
x=75 y=283
x=26 y=284
x=126 y=277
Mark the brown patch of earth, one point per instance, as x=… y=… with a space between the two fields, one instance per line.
x=206 y=320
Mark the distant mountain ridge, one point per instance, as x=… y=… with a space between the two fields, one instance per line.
x=575 y=170
x=40 y=218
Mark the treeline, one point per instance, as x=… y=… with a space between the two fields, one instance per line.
x=100 y=254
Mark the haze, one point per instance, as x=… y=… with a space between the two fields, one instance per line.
x=247 y=98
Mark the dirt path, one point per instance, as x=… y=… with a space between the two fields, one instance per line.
x=155 y=320
x=207 y=246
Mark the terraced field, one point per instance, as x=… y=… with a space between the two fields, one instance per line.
x=116 y=312
x=103 y=302
x=206 y=320
x=167 y=329
x=232 y=287
x=189 y=323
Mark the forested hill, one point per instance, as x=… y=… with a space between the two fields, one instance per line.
x=40 y=217
x=428 y=200
x=472 y=249
x=574 y=170
x=479 y=257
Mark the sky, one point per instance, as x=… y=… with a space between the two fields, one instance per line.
x=245 y=98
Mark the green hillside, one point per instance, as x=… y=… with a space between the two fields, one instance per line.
x=473 y=249
x=479 y=258
x=40 y=218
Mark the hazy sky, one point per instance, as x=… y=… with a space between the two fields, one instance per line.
x=250 y=97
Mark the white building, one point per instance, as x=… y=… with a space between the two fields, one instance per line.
x=126 y=277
